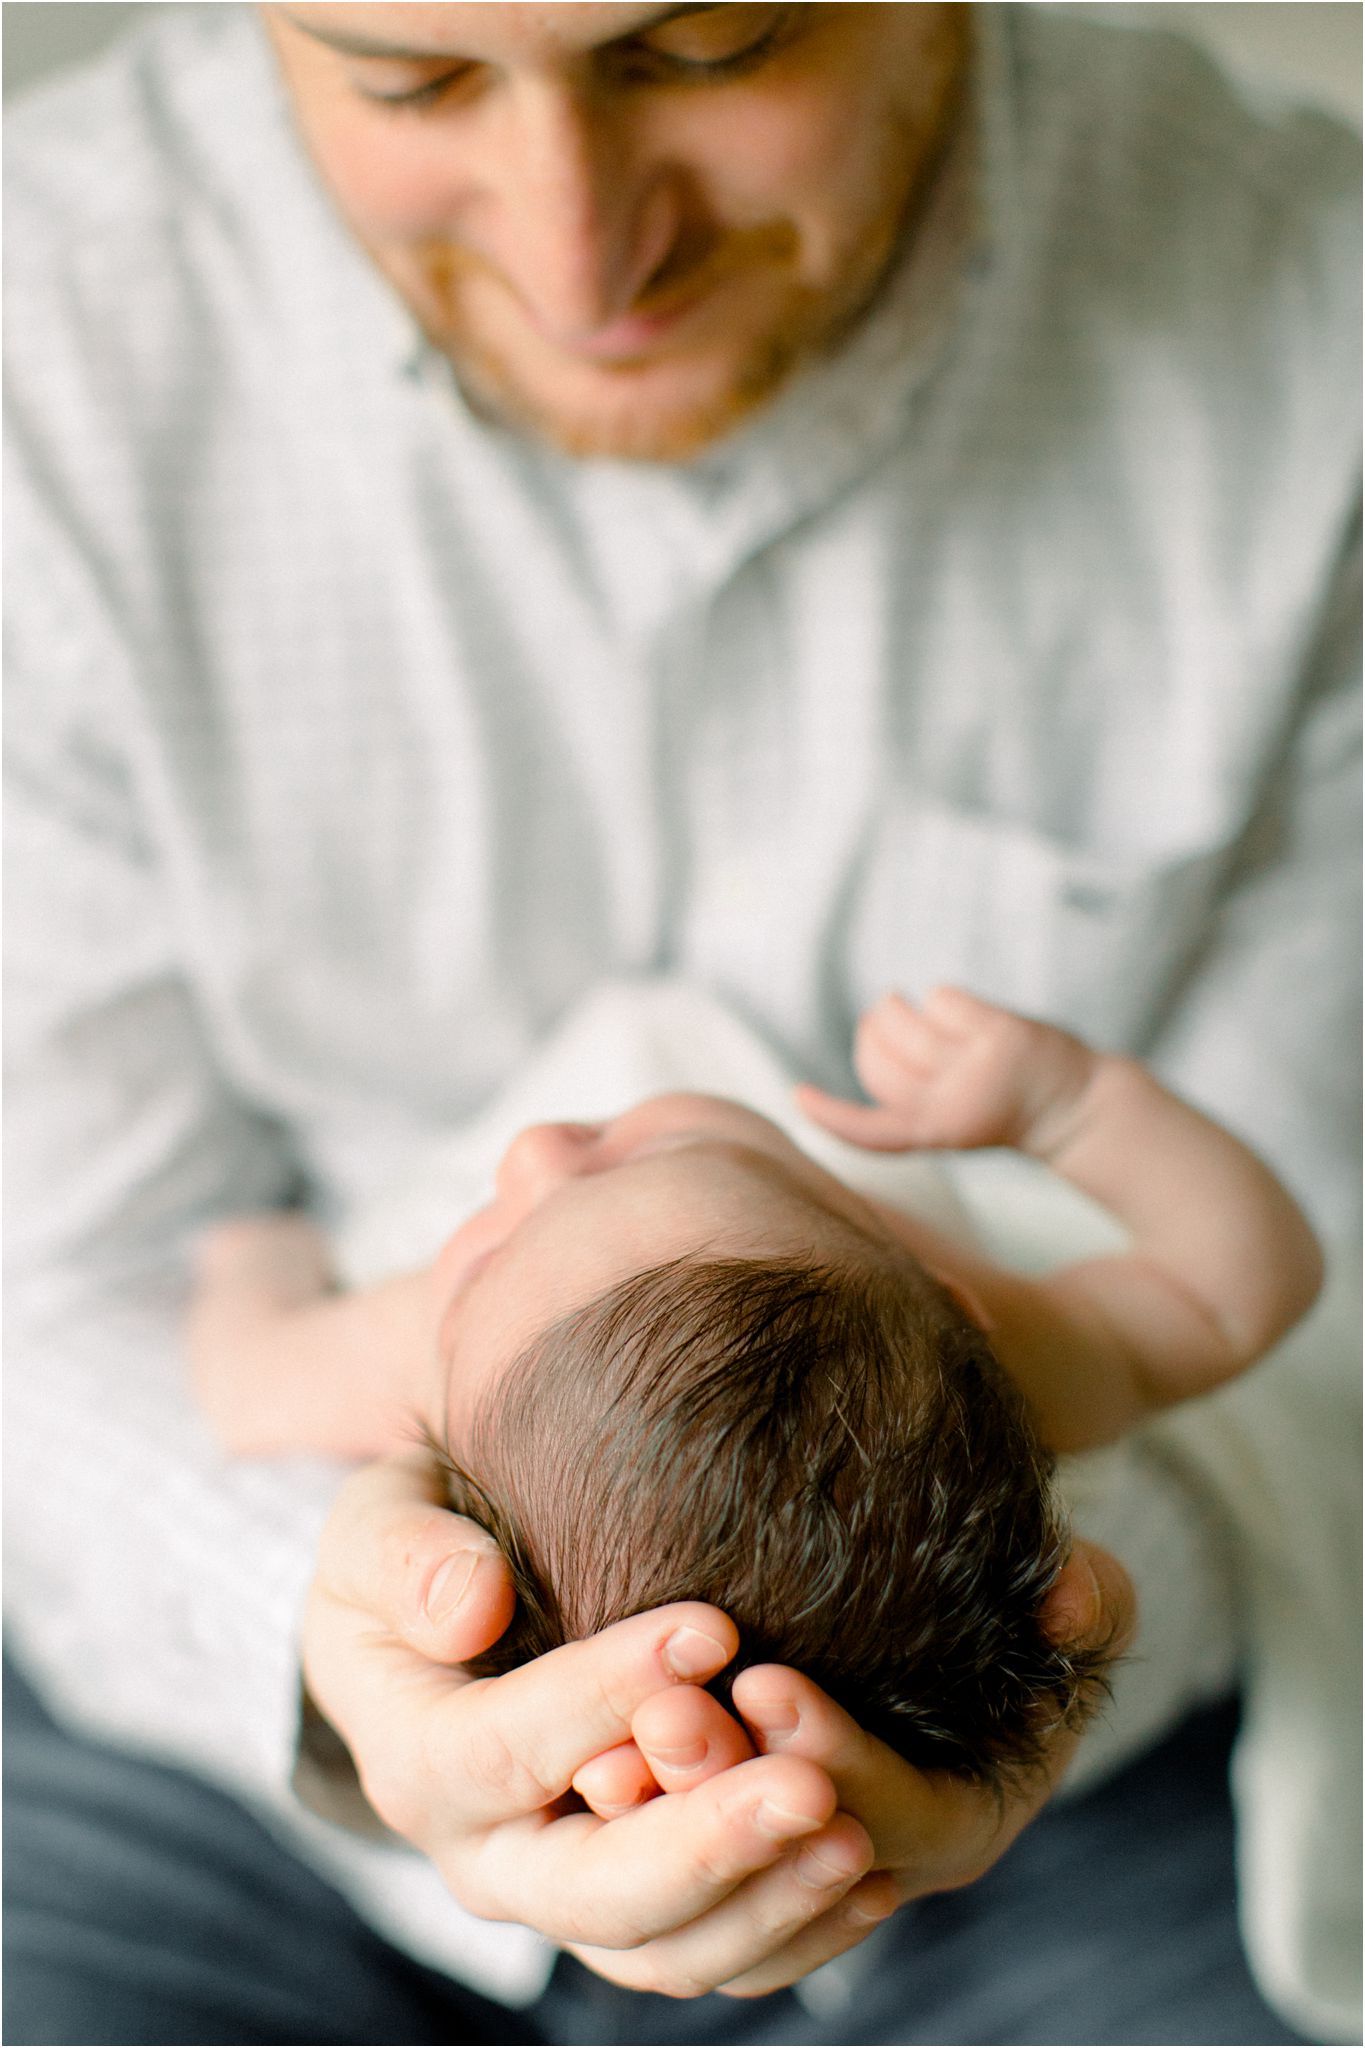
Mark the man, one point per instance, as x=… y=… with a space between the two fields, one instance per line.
x=804 y=497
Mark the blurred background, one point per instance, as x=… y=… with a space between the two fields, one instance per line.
x=1308 y=50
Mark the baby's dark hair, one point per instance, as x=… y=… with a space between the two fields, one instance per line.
x=828 y=1452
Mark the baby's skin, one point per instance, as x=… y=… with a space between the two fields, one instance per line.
x=1221 y=1261
x=1219 y=1265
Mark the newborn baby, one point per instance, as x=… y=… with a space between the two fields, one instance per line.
x=675 y=1359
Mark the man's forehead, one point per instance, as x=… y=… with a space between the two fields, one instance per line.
x=396 y=30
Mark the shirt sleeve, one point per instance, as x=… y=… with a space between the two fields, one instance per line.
x=1264 y=1032
x=1263 y=1477
x=154 y=1587
x=1268 y=1037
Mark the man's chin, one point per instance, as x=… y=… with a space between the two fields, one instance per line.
x=627 y=414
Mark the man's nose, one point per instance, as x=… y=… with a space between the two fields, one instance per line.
x=574 y=222
x=539 y=1159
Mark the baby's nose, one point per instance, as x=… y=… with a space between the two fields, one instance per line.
x=542 y=1157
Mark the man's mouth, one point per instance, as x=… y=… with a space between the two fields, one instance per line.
x=683 y=286
x=632 y=336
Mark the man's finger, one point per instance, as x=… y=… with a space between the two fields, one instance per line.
x=620 y=1883
x=1092 y=1601
x=682 y=1738
x=841 y=1927
x=789 y=1911
x=905 y=1810
x=935 y=1830
x=424 y=1575
x=380 y=1697
x=686 y=1737
x=510 y=1746
x=615 y=1781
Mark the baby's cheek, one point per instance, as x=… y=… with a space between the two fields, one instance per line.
x=615 y=1781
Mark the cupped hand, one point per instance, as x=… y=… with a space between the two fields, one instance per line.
x=676 y=1895
x=929 y=1831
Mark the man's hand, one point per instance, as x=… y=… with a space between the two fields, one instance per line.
x=930 y=1831
x=678 y=1895
x=770 y=1856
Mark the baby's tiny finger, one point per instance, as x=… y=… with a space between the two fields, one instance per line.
x=857 y=1123
x=892 y=1007
x=956 y=1010
x=905 y=1038
x=822 y=1107
x=615 y=1781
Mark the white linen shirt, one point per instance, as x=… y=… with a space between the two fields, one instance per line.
x=350 y=738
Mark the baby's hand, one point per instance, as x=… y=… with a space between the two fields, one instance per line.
x=248 y=1272
x=277 y=1260
x=954 y=1074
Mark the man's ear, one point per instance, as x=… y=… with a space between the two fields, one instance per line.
x=962 y=1294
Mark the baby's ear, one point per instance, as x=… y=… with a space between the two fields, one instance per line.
x=449 y=1265
x=962 y=1294
x=444 y=1260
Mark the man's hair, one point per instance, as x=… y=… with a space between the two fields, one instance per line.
x=830 y=1454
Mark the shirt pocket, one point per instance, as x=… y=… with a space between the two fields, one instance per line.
x=1095 y=940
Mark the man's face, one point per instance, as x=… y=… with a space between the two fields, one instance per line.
x=625 y=225
x=581 y=1207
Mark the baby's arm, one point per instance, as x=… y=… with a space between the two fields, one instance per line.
x=1221 y=1264
x=282 y=1362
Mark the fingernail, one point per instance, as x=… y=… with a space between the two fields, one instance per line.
x=779 y=1824
x=688 y=1756
x=820 y=1869
x=690 y=1654
x=449 y=1584
x=604 y=1811
x=867 y=1912
x=775 y=1725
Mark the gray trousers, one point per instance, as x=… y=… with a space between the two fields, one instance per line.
x=143 y=1906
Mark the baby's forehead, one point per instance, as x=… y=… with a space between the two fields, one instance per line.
x=716 y=1199
x=594 y=1235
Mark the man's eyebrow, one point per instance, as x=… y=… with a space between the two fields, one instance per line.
x=347 y=45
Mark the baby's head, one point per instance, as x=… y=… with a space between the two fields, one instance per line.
x=683 y=1362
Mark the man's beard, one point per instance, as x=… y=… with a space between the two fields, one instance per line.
x=623 y=415
x=626 y=422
